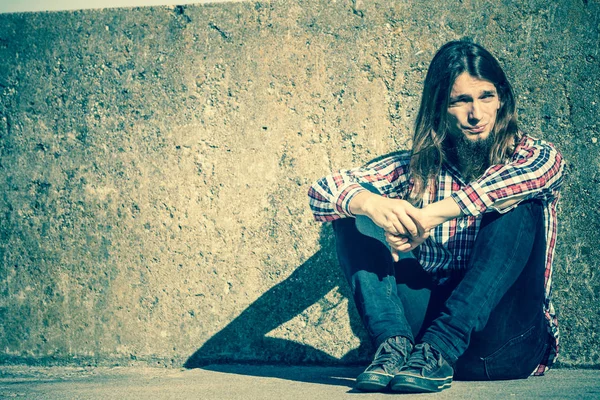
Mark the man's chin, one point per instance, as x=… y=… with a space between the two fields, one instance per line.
x=476 y=137
x=472 y=153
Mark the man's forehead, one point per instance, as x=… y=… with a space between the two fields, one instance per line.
x=467 y=84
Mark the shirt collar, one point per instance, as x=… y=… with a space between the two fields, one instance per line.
x=455 y=173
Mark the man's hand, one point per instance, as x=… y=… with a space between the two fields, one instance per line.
x=398 y=218
x=406 y=227
x=391 y=215
x=409 y=243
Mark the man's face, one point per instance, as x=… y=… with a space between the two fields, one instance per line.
x=473 y=107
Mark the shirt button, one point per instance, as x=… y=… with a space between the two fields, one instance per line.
x=458 y=258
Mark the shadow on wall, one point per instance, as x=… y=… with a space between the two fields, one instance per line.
x=245 y=340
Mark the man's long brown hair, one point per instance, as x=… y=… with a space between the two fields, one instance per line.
x=428 y=151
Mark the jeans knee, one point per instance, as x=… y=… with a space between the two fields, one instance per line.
x=534 y=207
x=526 y=215
x=342 y=225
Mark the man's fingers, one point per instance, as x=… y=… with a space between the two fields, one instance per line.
x=396 y=218
x=401 y=244
x=414 y=214
x=400 y=229
x=406 y=247
x=397 y=244
x=395 y=241
x=394 y=227
x=403 y=248
x=408 y=224
x=392 y=238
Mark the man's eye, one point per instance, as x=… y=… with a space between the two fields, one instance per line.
x=488 y=97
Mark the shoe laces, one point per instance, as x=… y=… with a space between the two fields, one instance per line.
x=389 y=354
x=424 y=357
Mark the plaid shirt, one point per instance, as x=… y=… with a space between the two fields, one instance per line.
x=534 y=171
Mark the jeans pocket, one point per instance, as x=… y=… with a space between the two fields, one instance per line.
x=518 y=357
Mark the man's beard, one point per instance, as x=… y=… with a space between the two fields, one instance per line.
x=471 y=158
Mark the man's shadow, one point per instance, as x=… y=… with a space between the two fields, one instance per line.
x=244 y=339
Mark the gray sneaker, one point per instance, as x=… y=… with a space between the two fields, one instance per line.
x=389 y=358
x=425 y=371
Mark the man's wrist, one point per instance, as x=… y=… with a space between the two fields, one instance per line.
x=359 y=205
x=430 y=220
x=439 y=212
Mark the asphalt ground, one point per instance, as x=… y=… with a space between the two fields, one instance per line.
x=263 y=382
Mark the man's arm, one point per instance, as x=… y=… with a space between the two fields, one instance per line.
x=330 y=197
x=439 y=212
x=536 y=172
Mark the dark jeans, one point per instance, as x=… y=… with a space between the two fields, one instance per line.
x=488 y=322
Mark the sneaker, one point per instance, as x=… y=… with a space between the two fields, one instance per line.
x=389 y=358
x=425 y=371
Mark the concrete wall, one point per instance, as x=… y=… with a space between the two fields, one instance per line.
x=155 y=162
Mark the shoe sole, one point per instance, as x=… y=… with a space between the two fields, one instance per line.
x=417 y=384
x=372 y=382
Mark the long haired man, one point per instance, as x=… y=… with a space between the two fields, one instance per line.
x=448 y=247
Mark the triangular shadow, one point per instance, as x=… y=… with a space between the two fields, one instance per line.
x=244 y=339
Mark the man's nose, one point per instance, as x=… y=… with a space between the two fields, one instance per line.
x=475 y=112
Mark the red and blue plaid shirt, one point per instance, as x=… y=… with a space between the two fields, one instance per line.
x=534 y=171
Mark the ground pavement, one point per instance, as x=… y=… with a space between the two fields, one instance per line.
x=263 y=382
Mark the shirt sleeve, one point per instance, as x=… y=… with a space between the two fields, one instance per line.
x=535 y=171
x=330 y=196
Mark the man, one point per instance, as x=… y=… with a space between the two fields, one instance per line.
x=449 y=256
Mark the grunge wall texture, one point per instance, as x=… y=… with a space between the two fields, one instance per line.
x=155 y=163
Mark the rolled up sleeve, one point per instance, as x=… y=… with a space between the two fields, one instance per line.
x=536 y=171
x=330 y=196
